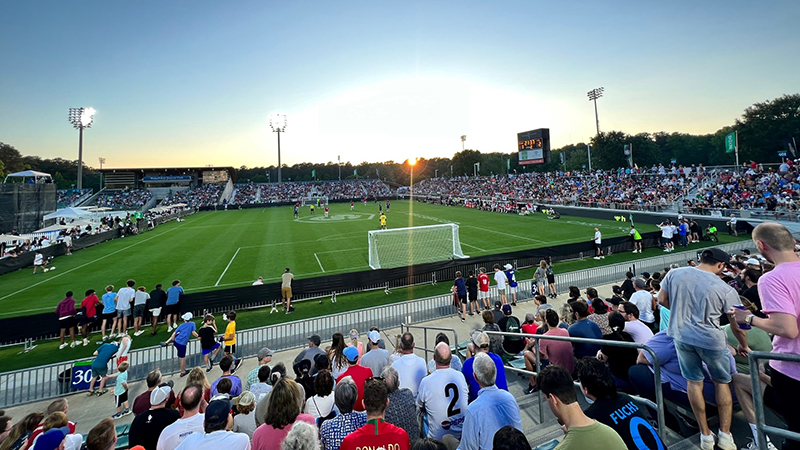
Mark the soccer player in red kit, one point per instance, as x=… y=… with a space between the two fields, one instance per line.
x=483 y=288
x=326 y=211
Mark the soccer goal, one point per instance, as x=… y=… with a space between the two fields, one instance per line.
x=307 y=201
x=400 y=247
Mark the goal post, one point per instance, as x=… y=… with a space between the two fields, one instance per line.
x=314 y=200
x=399 y=247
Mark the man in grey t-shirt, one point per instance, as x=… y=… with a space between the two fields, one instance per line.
x=697 y=298
x=376 y=358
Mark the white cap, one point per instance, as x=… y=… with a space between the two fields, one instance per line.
x=374 y=336
x=160 y=394
x=509 y=266
x=187 y=316
x=753 y=261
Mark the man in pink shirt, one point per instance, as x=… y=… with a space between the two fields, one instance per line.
x=555 y=352
x=779 y=290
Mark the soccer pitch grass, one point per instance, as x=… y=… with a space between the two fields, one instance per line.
x=221 y=249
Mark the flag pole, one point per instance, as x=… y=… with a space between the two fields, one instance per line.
x=736 y=135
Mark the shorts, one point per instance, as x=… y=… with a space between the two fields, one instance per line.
x=286 y=293
x=209 y=350
x=598 y=246
x=462 y=298
x=181 y=350
x=551 y=279
x=99 y=371
x=666 y=240
x=512 y=289
x=484 y=294
x=122 y=398
x=230 y=349
x=501 y=291
x=691 y=359
x=109 y=316
x=138 y=310
x=155 y=312
x=67 y=322
x=172 y=310
x=123 y=313
x=473 y=296
x=88 y=320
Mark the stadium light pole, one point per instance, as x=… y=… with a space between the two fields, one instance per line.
x=589 y=155
x=277 y=122
x=593 y=95
x=411 y=162
x=81 y=118
x=339 y=158
x=102 y=161
x=463 y=139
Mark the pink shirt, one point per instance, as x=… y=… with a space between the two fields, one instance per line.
x=558 y=352
x=779 y=290
x=267 y=438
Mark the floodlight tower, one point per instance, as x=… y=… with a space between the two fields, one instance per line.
x=277 y=122
x=463 y=139
x=593 y=95
x=81 y=118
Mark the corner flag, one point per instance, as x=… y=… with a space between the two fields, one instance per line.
x=630 y=217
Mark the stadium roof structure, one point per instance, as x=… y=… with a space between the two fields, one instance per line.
x=230 y=169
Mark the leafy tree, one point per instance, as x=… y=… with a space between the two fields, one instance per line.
x=765 y=128
x=12 y=158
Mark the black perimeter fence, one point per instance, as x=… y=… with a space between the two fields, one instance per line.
x=45 y=325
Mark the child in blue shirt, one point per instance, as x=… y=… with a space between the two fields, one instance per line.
x=121 y=391
x=181 y=337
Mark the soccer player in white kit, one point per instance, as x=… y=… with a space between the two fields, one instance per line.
x=443 y=396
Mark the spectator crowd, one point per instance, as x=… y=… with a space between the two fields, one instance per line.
x=123 y=199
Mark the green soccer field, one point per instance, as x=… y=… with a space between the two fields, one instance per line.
x=214 y=250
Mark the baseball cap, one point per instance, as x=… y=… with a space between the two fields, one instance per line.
x=315 y=339
x=739 y=265
x=247 y=398
x=717 y=254
x=481 y=340
x=264 y=352
x=639 y=283
x=353 y=334
x=374 y=336
x=497 y=304
x=529 y=316
x=753 y=261
x=217 y=412
x=646 y=274
x=508 y=266
x=351 y=353
x=187 y=316
x=506 y=309
x=160 y=394
x=616 y=301
x=321 y=361
x=51 y=439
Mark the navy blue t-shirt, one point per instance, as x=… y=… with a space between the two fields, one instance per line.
x=585 y=329
x=461 y=287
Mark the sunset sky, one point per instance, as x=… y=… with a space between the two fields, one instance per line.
x=191 y=83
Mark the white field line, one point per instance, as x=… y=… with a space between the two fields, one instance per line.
x=88 y=263
x=473 y=246
x=228 y=266
x=239 y=283
x=505 y=234
x=320 y=264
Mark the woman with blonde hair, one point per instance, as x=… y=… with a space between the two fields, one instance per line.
x=540 y=277
x=336 y=355
x=354 y=342
x=196 y=376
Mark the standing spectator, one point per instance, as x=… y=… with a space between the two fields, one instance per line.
x=481 y=341
x=147 y=426
x=264 y=357
x=598 y=240
x=358 y=373
x=779 y=290
x=627 y=286
x=643 y=300
x=153 y=380
x=66 y=320
x=245 y=420
x=540 y=277
x=336 y=355
x=502 y=281
x=100 y=367
x=402 y=409
x=190 y=422
x=584 y=328
x=284 y=408
x=483 y=288
x=697 y=298
x=410 y=367
x=225 y=365
x=38 y=261
x=121 y=391
x=229 y=339
x=512 y=283
x=750 y=278
x=140 y=298
x=216 y=423
x=158 y=299
x=582 y=432
x=89 y=307
x=460 y=291
x=376 y=358
x=443 y=396
x=551 y=279
x=640 y=332
x=172 y=305
x=124 y=299
x=181 y=338
x=493 y=409
x=472 y=292
x=109 y=312
x=286 y=289
x=322 y=403
x=333 y=431
x=377 y=433
x=208 y=341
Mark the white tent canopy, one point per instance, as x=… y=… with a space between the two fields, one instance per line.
x=36 y=176
x=68 y=213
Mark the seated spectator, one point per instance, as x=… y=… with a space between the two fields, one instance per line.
x=58 y=405
x=455 y=363
x=5 y=426
x=359 y=374
x=225 y=365
x=443 y=406
x=376 y=433
x=302 y=436
x=510 y=438
x=584 y=328
x=496 y=341
x=600 y=316
x=541 y=303
x=264 y=358
x=333 y=431
x=312 y=350
x=196 y=376
x=262 y=388
x=303 y=378
x=217 y=423
x=480 y=341
x=428 y=444
x=551 y=351
x=582 y=432
x=512 y=345
x=410 y=367
x=376 y=358
x=245 y=420
x=142 y=401
x=322 y=403
x=493 y=409
x=18 y=436
x=640 y=332
x=102 y=436
x=147 y=426
x=617 y=410
x=619 y=359
x=402 y=409
x=190 y=422
x=757 y=340
x=284 y=408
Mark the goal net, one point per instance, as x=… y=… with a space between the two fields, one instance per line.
x=307 y=201
x=399 y=247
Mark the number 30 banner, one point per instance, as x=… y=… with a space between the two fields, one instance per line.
x=81 y=375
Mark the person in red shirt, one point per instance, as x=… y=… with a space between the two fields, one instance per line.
x=358 y=373
x=376 y=433
x=89 y=308
x=483 y=287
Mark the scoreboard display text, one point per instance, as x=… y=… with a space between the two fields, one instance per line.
x=534 y=146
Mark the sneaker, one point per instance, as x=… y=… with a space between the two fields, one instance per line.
x=596 y=257
x=753 y=446
x=725 y=441
x=139 y=333
x=635 y=251
x=73 y=344
x=602 y=257
x=127 y=412
x=63 y=346
x=116 y=416
x=463 y=320
x=237 y=363
x=85 y=342
x=183 y=374
x=531 y=389
x=105 y=338
x=707 y=442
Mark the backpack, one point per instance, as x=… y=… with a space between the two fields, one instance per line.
x=495 y=340
x=513 y=326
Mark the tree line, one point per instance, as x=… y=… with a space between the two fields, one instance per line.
x=764 y=129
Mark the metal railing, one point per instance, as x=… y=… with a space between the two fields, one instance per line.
x=758 y=400
x=659 y=404
x=405 y=327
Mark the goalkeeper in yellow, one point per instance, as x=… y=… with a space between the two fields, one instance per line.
x=382 y=218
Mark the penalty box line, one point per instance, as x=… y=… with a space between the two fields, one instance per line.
x=228 y=266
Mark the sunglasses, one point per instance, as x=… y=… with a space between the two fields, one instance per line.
x=381 y=379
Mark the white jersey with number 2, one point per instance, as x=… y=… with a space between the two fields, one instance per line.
x=443 y=394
